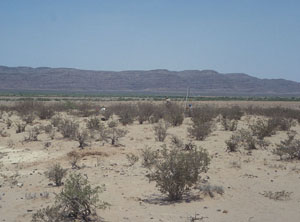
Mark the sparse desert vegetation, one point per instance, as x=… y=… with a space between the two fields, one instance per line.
x=158 y=161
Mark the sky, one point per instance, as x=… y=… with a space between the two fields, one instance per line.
x=257 y=37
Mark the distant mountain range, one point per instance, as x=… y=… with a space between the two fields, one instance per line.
x=160 y=81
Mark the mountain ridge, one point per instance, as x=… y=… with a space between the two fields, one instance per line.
x=206 y=82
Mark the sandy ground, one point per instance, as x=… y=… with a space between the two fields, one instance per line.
x=244 y=177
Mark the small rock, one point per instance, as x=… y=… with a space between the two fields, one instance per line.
x=19 y=184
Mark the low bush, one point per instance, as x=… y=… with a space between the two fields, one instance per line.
x=56 y=173
x=263 y=128
x=200 y=131
x=93 y=123
x=160 y=130
x=144 y=112
x=132 y=159
x=174 y=114
x=229 y=125
x=20 y=127
x=76 y=202
x=288 y=148
x=176 y=171
x=68 y=128
x=32 y=134
x=82 y=137
x=43 y=111
x=111 y=133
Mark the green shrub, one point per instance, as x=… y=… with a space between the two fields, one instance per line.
x=200 y=131
x=56 y=174
x=76 y=202
x=111 y=133
x=263 y=128
x=228 y=124
x=176 y=171
x=288 y=148
x=132 y=159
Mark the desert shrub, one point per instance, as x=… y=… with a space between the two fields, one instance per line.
x=28 y=118
x=76 y=202
x=231 y=113
x=126 y=112
x=82 y=137
x=144 y=112
x=48 y=128
x=203 y=114
x=281 y=123
x=43 y=111
x=93 y=123
x=111 y=133
x=190 y=146
x=200 y=131
x=263 y=128
x=56 y=173
x=208 y=189
x=32 y=134
x=233 y=143
x=132 y=159
x=160 y=130
x=244 y=138
x=56 y=120
x=78 y=198
x=288 y=148
x=274 y=112
x=279 y=195
x=158 y=114
x=68 y=128
x=149 y=157
x=228 y=124
x=74 y=157
x=20 y=127
x=8 y=123
x=176 y=171
x=25 y=107
x=86 y=109
x=174 y=114
x=247 y=140
x=176 y=142
x=50 y=214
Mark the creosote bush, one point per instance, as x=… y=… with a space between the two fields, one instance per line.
x=288 y=148
x=132 y=159
x=20 y=127
x=68 y=128
x=160 y=130
x=144 y=112
x=229 y=125
x=56 y=173
x=175 y=171
x=244 y=138
x=76 y=202
x=200 y=130
x=111 y=132
x=93 y=123
x=174 y=114
x=82 y=137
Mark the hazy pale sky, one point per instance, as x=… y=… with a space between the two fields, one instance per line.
x=257 y=37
